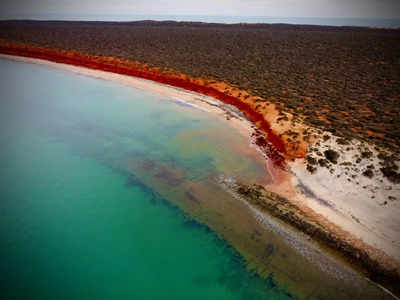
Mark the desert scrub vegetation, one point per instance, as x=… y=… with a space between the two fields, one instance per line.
x=345 y=80
x=331 y=155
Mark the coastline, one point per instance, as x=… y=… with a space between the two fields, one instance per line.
x=281 y=184
x=236 y=119
x=136 y=69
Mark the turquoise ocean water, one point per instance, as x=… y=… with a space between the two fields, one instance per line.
x=77 y=224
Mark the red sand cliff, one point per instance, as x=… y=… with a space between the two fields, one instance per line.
x=273 y=146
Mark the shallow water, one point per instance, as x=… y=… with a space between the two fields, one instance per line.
x=95 y=177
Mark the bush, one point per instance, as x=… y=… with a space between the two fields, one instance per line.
x=368 y=173
x=331 y=155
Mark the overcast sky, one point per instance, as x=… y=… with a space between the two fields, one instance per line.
x=274 y=8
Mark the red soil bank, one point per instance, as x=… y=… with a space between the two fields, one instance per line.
x=271 y=152
x=274 y=151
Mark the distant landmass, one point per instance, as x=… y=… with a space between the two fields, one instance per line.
x=337 y=21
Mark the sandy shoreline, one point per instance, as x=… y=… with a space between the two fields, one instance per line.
x=195 y=100
x=284 y=183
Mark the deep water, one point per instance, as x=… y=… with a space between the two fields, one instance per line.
x=77 y=220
